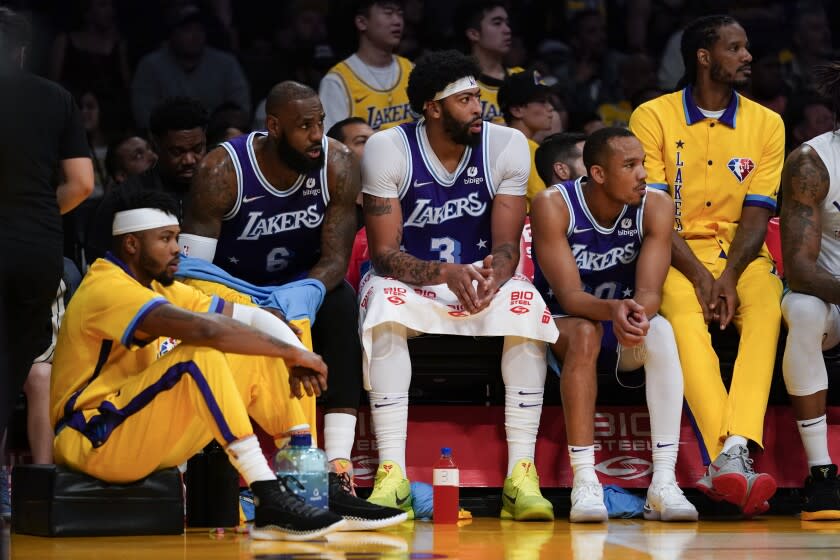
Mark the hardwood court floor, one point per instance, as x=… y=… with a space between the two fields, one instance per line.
x=483 y=539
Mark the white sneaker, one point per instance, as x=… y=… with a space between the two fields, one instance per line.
x=588 y=503
x=666 y=502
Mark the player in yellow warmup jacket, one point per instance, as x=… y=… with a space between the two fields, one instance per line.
x=720 y=156
x=122 y=410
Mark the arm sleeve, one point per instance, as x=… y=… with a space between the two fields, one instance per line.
x=511 y=160
x=73 y=141
x=764 y=186
x=334 y=99
x=384 y=164
x=647 y=128
x=266 y=322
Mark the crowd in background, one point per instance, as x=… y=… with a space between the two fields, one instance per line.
x=601 y=58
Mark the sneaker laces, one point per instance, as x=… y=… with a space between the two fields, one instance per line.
x=345 y=481
x=525 y=482
x=748 y=464
x=296 y=504
x=588 y=490
x=670 y=493
x=743 y=456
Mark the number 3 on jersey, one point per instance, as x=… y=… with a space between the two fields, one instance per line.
x=448 y=248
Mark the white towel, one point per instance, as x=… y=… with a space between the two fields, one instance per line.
x=516 y=310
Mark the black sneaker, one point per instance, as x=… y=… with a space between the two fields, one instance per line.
x=359 y=514
x=821 y=496
x=281 y=515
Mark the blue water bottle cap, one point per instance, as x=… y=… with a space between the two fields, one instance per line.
x=447 y=451
x=301 y=440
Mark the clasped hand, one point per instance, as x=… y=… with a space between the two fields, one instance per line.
x=473 y=285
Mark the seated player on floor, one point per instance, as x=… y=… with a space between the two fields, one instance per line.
x=122 y=411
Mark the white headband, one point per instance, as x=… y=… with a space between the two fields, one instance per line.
x=467 y=82
x=139 y=219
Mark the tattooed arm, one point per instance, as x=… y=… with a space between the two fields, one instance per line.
x=212 y=195
x=384 y=224
x=805 y=184
x=339 y=227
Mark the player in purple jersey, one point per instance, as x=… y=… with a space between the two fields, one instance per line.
x=279 y=206
x=603 y=248
x=444 y=208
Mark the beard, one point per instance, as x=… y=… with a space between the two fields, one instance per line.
x=295 y=160
x=163 y=277
x=718 y=75
x=460 y=132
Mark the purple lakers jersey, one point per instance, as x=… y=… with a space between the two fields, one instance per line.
x=271 y=237
x=447 y=221
x=605 y=257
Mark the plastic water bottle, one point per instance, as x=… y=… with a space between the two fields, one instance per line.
x=304 y=469
x=445 y=481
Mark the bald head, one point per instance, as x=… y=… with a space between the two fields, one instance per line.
x=284 y=92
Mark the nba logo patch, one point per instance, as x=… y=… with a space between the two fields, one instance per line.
x=310 y=182
x=472 y=171
x=626 y=223
x=167 y=345
x=740 y=167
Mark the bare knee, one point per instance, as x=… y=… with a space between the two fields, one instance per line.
x=580 y=340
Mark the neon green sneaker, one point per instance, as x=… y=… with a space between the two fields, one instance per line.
x=391 y=488
x=521 y=497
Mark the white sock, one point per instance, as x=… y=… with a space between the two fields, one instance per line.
x=582 y=459
x=389 y=412
x=339 y=434
x=523 y=406
x=523 y=371
x=664 y=452
x=664 y=394
x=814 y=434
x=389 y=379
x=732 y=441
x=248 y=459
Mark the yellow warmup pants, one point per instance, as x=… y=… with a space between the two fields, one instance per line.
x=741 y=412
x=170 y=411
x=307 y=403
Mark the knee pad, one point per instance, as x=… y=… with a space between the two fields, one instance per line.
x=805 y=312
x=390 y=363
x=387 y=339
x=523 y=362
